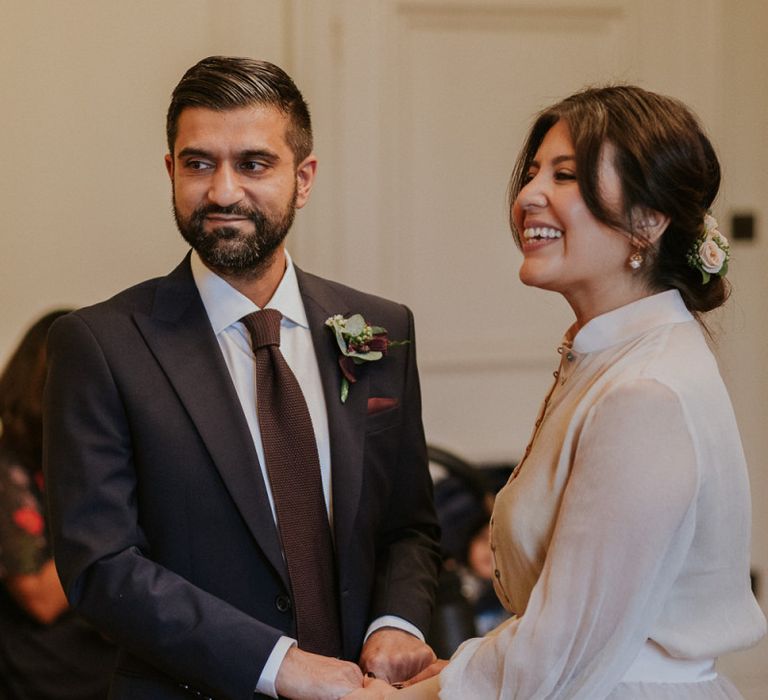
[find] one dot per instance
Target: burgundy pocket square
(377, 404)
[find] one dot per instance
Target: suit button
(283, 603)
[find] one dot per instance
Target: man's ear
(169, 165)
(305, 178)
(648, 224)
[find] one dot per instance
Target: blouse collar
(630, 321)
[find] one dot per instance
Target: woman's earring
(636, 260)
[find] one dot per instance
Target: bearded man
(241, 512)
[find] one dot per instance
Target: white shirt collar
(631, 321)
(225, 305)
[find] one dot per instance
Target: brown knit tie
(293, 466)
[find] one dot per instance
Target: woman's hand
(373, 689)
(39, 594)
(431, 670)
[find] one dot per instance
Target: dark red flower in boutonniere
(358, 343)
(29, 520)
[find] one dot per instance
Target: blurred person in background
(45, 650)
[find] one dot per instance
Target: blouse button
(497, 573)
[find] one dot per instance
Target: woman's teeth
(542, 232)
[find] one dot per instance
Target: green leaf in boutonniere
(358, 342)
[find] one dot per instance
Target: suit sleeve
(100, 549)
(408, 555)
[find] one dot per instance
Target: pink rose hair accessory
(710, 252)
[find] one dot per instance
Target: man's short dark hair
(223, 83)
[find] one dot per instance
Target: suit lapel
(346, 421)
(179, 335)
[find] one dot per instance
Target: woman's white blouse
(628, 519)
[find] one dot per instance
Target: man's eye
(196, 165)
(253, 166)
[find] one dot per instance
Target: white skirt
(654, 675)
(717, 689)
(720, 688)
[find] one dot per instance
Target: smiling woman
(566, 248)
(621, 541)
(633, 162)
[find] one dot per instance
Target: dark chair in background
(466, 605)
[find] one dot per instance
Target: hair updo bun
(664, 162)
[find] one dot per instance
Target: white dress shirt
(225, 306)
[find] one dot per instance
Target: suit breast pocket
(382, 419)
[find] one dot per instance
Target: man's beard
(227, 249)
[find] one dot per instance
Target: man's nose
(225, 187)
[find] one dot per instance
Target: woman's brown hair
(21, 394)
(665, 163)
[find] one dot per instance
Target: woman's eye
(565, 175)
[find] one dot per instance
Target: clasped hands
(389, 656)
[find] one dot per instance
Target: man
(171, 466)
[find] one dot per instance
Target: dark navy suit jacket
(163, 535)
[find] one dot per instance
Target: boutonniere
(358, 343)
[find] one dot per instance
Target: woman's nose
(532, 195)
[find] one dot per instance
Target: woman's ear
(648, 224)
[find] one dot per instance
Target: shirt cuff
(397, 623)
(268, 677)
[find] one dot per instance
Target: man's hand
(304, 675)
(393, 655)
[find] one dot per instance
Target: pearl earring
(636, 260)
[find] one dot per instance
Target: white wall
(84, 85)
(742, 140)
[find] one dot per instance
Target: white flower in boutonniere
(710, 252)
(358, 342)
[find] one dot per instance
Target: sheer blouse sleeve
(623, 528)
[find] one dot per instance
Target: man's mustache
(231, 210)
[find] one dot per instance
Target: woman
(45, 652)
(621, 541)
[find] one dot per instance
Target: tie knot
(264, 327)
